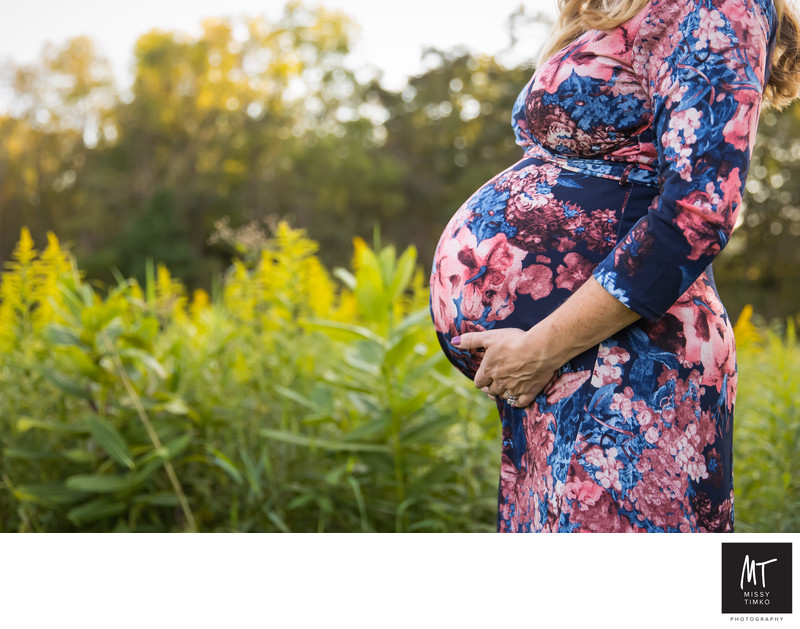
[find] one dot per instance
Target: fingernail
(456, 340)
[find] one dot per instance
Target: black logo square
(757, 578)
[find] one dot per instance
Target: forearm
(588, 317)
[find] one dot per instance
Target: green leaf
(178, 445)
(403, 272)
(323, 444)
(149, 464)
(300, 501)
(77, 455)
(222, 461)
(386, 263)
(341, 383)
(435, 525)
(146, 358)
(338, 326)
(87, 294)
(48, 494)
(408, 406)
(65, 384)
(25, 424)
(252, 473)
(31, 455)
(114, 329)
(370, 294)
(278, 521)
(58, 334)
(176, 406)
(294, 395)
(362, 508)
(364, 362)
(403, 348)
(80, 361)
(96, 483)
(324, 503)
(318, 418)
(142, 333)
(72, 300)
(427, 366)
(160, 499)
(424, 431)
(412, 322)
(367, 258)
(94, 510)
(378, 424)
(265, 463)
(110, 440)
(364, 403)
(155, 459)
(347, 278)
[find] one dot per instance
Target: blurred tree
(225, 123)
(761, 265)
(252, 119)
(58, 107)
(156, 229)
(451, 130)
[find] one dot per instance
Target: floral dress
(637, 146)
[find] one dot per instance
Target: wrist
(546, 342)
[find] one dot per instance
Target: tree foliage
(254, 120)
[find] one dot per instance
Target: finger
(484, 383)
(489, 395)
(497, 389)
(492, 392)
(481, 380)
(524, 401)
(470, 340)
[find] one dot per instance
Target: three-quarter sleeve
(704, 64)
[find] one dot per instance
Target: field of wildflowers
(293, 399)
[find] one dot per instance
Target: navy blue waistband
(624, 172)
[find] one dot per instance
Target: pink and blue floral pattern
(637, 146)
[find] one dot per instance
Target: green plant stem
(23, 512)
(397, 447)
(176, 485)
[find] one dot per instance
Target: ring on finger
(511, 398)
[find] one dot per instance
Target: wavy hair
(578, 16)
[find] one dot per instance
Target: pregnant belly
(520, 245)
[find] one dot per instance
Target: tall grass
(767, 428)
(293, 399)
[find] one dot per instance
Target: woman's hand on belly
(523, 362)
(510, 363)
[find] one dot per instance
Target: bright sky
(392, 36)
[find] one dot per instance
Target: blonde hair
(578, 16)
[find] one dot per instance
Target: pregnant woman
(576, 286)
